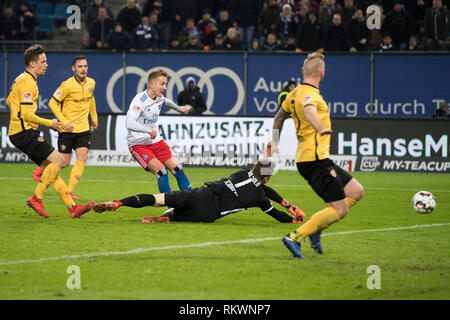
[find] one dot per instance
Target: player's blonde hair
(313, 64)
(156, 74)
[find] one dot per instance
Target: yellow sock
(61, 189)
(317, 222)
(350, 202)
(49, 175)
(75, 174)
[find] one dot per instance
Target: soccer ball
(424, 202)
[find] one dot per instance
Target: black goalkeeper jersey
(239, 191)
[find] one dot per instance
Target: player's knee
(357, 192)
(161, 173)
(60, 162)
(342, 212)
(82, 157)
(178, 168)
(360, 193)
(341, 209)
(65, 164)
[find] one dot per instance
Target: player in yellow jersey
(22, 101)
(72, 103)
(335, 186)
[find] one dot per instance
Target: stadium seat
(43, 9)
(32, 4)
(46, 24)
(60, 12)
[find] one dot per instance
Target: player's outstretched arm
(299, 215)
(133, 115)
(55, 106)
(294, 210)
(93, 114)
(278, 123)
(29, 116)
(172, 105)
(272, 194)
(279, 215)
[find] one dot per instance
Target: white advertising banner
(212, 141)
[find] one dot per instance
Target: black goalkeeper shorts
(196, 205)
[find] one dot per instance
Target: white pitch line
(194, 182)
(203, 244)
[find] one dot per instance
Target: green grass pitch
(237, 257)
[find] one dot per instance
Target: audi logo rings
(205, 80)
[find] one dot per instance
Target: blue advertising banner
(60, 69)
(405, 86)
(219, 77)
(346, 87)
(410, 86)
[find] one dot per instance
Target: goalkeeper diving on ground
(241, 190)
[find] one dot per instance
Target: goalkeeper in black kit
(242, 190)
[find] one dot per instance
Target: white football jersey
(142, 117)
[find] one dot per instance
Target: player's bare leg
(154, 165)
(354, 190)
(67, 157)
(171, 163)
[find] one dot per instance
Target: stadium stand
(52, 13)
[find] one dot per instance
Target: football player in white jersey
(145, 144)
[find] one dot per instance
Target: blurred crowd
(251, 25)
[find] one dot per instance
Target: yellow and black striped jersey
(311, 146)
(22, 101)
(73, 101)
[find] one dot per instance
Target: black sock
(139, 201)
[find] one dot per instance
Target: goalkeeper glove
(299, 215)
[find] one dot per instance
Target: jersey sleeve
(279, 215)
(272, 194)
(61, 93)
(27, 95)
(133, 114)
(269, 209)
(55, 103)
(171, 105)
(309, 99)
(265, 205)
(303, 100)
(285, 106)
(93, 107)
(28, 115)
